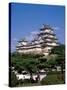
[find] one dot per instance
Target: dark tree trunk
(62, 72)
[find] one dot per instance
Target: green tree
(60, 50)
(60, 59)
(51, 62)
(26, 62)
(30, 65)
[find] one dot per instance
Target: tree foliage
(60, 59)
(60, 50)
(14, 80)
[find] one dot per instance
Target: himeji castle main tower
(45, 41)
(48, 38)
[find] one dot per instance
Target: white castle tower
(48, 39)
(43, 44)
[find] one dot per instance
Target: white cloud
(14, 39)
(32, 35)
(29, 38)
(56, 28)
(34, 32)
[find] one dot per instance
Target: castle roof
(46, 33)
(46, 26)
(23, 40)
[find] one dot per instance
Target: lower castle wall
(35, 51)
(44, 51)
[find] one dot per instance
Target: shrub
(14, 80)
(26, 81)
(20, 81)
(51, 79)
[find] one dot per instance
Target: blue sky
(27, 19)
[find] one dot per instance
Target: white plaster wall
(47, 30)
(22, 51)
(45, 54)
(37, 50)
(38, 45)
(35, 41)
(45, 50)
(48, 39)
(53, 44)
(24, 43)
(51, 36)
(45, 35)
(48, 48)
